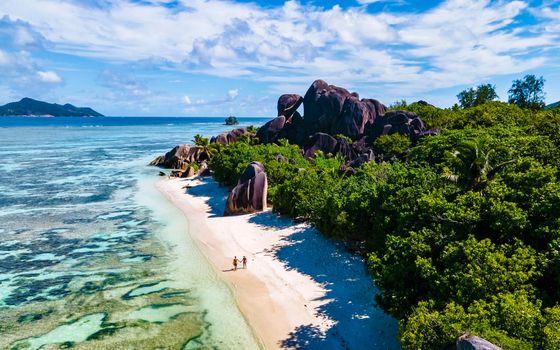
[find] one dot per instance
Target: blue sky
(218, 57)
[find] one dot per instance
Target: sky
(225, 57)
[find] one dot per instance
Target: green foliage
(478, 255)
(527, 92)
(397, 105)
(473, 166)
(393, 144)
(252, 129)
(474, 97)
(433, 117)
(208, 150)
(344, 137)
(232, 159)
(194, 165)
(200, 141)
(551, 329)
(508, 320)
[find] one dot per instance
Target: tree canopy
(461, 230)
(474, 97)
(528, 92)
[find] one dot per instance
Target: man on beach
(244, 260)
(235, 262)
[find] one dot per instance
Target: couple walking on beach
(236, 262)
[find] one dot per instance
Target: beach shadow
(350, 291)
(216, 195)
(270, 221)
(349, 298)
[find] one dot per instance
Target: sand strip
(299, 290)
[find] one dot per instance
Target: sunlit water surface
(91, 255)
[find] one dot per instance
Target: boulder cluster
(186, 160)
(250, 193)
(335, 121)
(332, 115)
(229, 136)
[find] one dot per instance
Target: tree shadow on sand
(216, 196)
(349, 297)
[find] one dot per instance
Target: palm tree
(206, 148)
(473, 166)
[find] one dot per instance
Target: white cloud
(233, 93)
(201, 103)
(49, 77)
(4, 58)
(457, 42)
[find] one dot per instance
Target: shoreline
(290, 296)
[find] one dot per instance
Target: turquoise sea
(91, 255)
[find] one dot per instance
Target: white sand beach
(299, 290)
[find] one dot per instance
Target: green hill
(28, 106)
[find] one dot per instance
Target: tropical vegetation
(461, 230)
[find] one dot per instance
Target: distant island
(553, 105)
(30, 107)
(231, 120)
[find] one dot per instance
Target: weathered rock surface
(322, 106)
(320, 142)
(328, 109)
(270, 132)
(203, 169)
(229, 136)
(178, 157)
(189, 172)
(250, 193)
(402, 122)
(288, 104)
(471, 342)
(344, 148)
(352, 121)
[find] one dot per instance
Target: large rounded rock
(288, 104)
(402, 122)
(269, 132)
(322, 105)
(375, 108)
(178, 157)
(203, 169)
(294, 130)
(344, 148)
(229, 136)
(355, 115)
(250, 193)
(320, 142)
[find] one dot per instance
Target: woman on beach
(235, 262)
(244, 260)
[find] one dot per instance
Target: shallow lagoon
(91, 255)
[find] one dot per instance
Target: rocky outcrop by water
(250, 193)
(335, 121)
(179, 157)
(330, 111)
